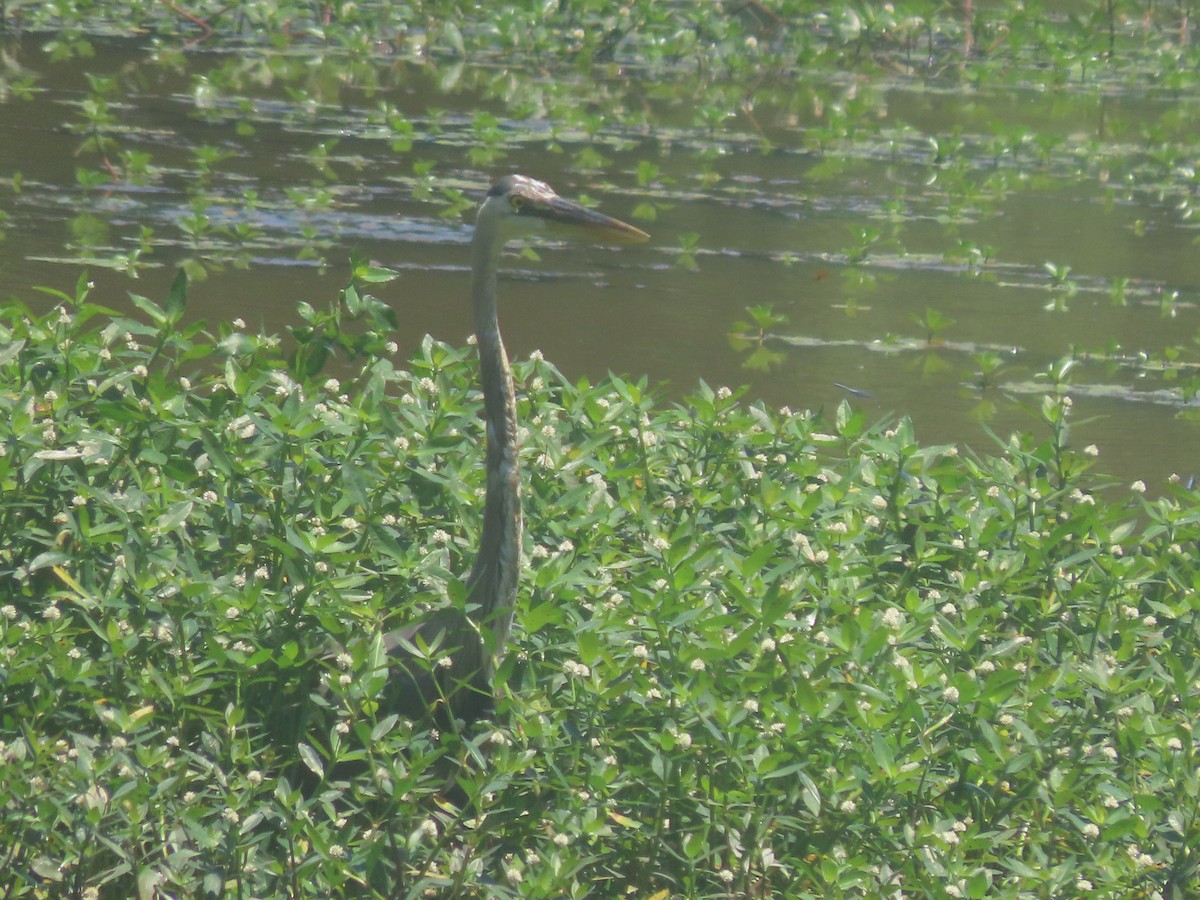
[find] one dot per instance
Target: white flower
(847, 806)
(1091, 450)
(1091, 831)
(1138, 487)
(641, 651)
(697, 665)
(950, 694)
(577, 669)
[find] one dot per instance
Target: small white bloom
(577, 669)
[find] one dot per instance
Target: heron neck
(492, 583)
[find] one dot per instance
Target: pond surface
(914, 233)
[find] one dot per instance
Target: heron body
(471, 638)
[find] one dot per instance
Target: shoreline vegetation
(756, 652)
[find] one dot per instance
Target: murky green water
(850, 206)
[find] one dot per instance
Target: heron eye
(517, 202)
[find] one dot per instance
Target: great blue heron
(467, 640)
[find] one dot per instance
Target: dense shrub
(757, 654)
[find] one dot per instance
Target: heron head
(521, 204)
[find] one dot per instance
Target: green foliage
(756, 654)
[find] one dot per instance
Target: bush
(756, 654)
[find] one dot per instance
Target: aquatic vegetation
(759, 652)
(763, 652)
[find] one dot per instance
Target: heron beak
(558, 211)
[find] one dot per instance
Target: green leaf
(310, 758)
(177, 298)
(150, 308)
(175, 515)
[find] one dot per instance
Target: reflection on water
(851, 226)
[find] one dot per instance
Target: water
(849, 206)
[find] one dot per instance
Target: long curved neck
(492, 584)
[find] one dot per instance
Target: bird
(468, 640)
